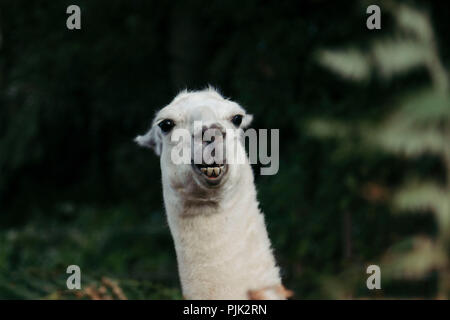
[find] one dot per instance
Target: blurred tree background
(75, 189)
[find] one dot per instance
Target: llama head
(198, 137)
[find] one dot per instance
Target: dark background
(75, 189)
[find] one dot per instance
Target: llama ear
(246, 120)
(152, 139)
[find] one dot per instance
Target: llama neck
(225, 253)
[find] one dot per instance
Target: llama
(221, 242)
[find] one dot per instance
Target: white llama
(223, 250)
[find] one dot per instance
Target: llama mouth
(213, 173)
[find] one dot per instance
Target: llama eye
(166, 125)
(237, 120)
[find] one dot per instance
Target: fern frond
(400, 137)
(424, 257)
(393, 57)
(427, 107)
(422, 196)
(323, 128)
(414, 21)
(350, 64)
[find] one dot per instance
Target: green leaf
(414, 21)
(426, 107)
(424, 196)
(425, 257)
(398, 56)
(350, 64)
(323, 128)
(400, 137)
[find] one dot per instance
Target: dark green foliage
(419, 124)
(75, 189)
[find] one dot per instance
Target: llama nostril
(210, 140)
(210, 133)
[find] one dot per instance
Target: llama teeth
(203, 170)
(216, 171)
(209, 171)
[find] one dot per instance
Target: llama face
(199, 139)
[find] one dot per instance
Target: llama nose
(216, 131)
